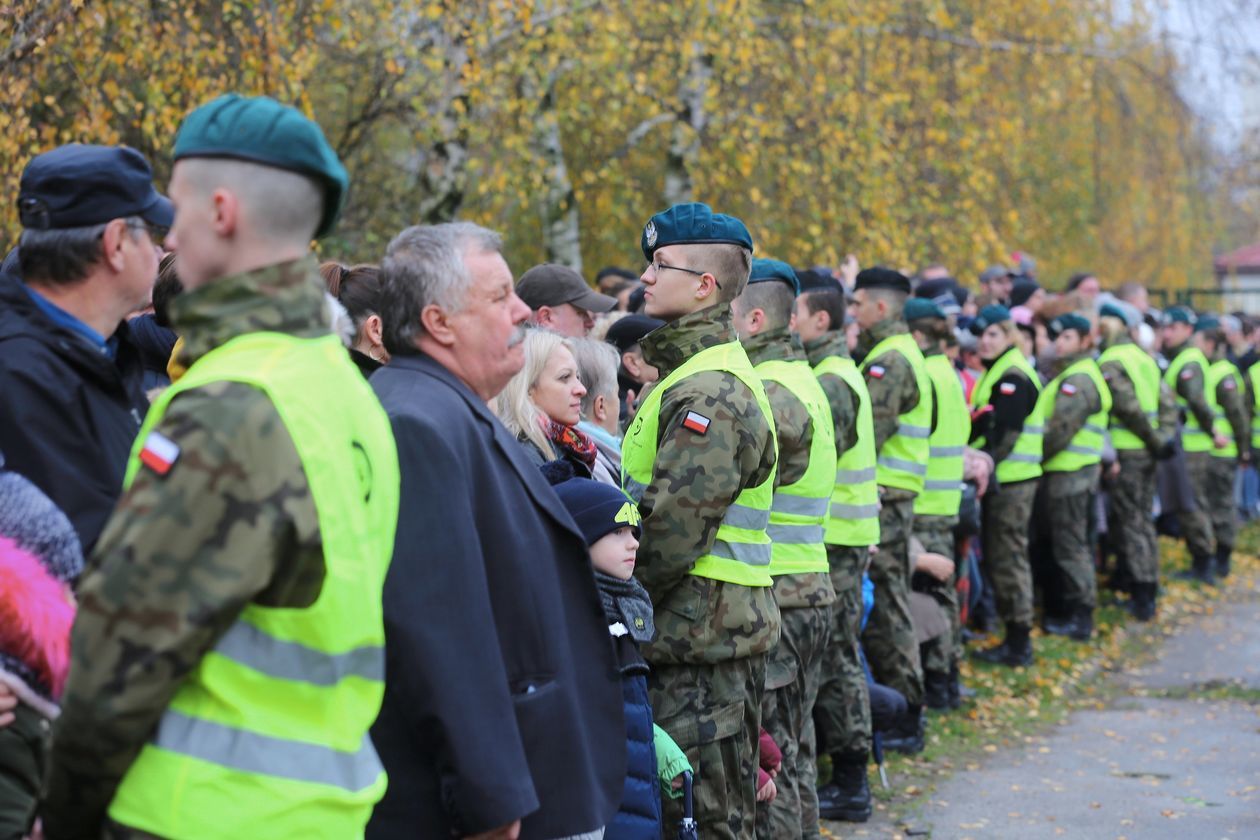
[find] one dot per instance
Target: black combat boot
(957, 691)
(1059, 625)
(1143, 603)
(1082, 624)
(906, 736)
(1223, 554)
(1015, 650)
(847, 796)
(936, 690)
(1200, 570)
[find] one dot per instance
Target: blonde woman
(542, 404)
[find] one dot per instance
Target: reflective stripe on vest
(798, 511)
(1143, 372)
(1024, 462)
(1253, 374)
(1193, 437)
(1217, 373)
(1086, 447)
(942, 489)
(271, 726)
(853, 518)
(741, 548)
(902, 462)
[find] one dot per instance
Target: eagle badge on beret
(649, 233)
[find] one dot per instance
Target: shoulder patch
(1187, 373)
(1229, 383)
(1068, 388)
(1006, 388)
(696, 422)
(159, 453)
(876, 371)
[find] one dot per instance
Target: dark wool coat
(502, 697)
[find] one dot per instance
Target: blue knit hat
(597, 508)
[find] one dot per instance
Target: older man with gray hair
(502, 715)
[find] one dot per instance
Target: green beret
(693, 224)
(1207, 322)
(765, 270)
(1110, 310)
(260, 130)
(994, 313)
(917, 308)
(1179, 315)
(882, 278)
(1068, 321)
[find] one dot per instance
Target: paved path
(1159, 763)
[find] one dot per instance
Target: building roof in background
(1245, 259)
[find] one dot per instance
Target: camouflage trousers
(1004, 530)
(891, 647)
(842, 713)
(1221, 504)
(793, 670)
(1132, 497)
(1073, 556)
(713, 712)
(1196, 525)
(936, 533)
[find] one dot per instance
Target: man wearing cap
(1186, 375)
(69, 372)
(228, 654)
(1133, 378)
(997, 281)
(901, 415)
(1226, 394)
(700, 460)
(633, 373)
(798, 559)
(936, 508)
(1075, 405)
(842, 712)
(560, 300)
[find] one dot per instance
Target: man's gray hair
(425, 265)
(597, 363)
(64, 256)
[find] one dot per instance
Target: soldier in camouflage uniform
(892, 380)
(842, 712)
(713, 442)
(793, 669)
(1229, 398)
(221, 518)
(1132, 490)
(1188, 380)
(1074, 401)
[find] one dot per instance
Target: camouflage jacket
(1233, 403)
(1124, 401)
(232, 522)
(695, 478)
(1191, 388)
(1076, 400)
(844, 403)
(892, 394)
(794, 427)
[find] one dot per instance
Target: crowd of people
(419, 548)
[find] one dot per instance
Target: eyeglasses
(657, 267)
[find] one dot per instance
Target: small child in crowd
(609, 521)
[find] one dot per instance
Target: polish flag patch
(697, 423)
(1068, 388)
(876, 371)
(159, 453)
(1229, 384)
(1187, 373)
(1006, 388)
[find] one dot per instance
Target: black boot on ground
(936, 690)
(1143, 603)
(957, 691)
(1200, 570)
(1082, 624)
(906, 736)
(1223, 555)
(847, 796)
(1015, 650)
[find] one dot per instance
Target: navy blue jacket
(640, 815)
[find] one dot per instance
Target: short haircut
(424, 265)
(166, 289)
(597, 362)
(896, 300)
(280, 205)
(64, 256)
(829, 301)
(773, 298)
(1129, 290)
(730, 265)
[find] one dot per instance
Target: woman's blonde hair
(513, 404)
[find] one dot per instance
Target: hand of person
(1113, 469)
(37, 831)
(8, 702)
(768, 792)
(511, 831)
(937, 565)
(1219, 441)
(849, 270)
(632, 397)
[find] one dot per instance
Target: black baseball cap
(550, 284)
(630, 330)
(80, 185)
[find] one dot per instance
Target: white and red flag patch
(1068, 388)
(1006, 388)
(877, 371)
(159, 453)
(698, 423)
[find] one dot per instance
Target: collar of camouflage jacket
(880, 330)
(1062, 363)
(676, 342)
(833, 343)
(286, 298)
(773, 345)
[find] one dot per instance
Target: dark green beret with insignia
(1069, 321)
(693, 224)
(917, 308)
(1207, 322)
(260, 130)
(1179, 315)
(766, 270)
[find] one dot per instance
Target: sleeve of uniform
(1076, 401)
(1013, 399)
(1168, 413)
(1230, 398)
(792, 426)
(844, 411)
(178, 561)
(890, 383)
(697, 476)
(443, 658)
(1126, 408)
(1191, 388)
